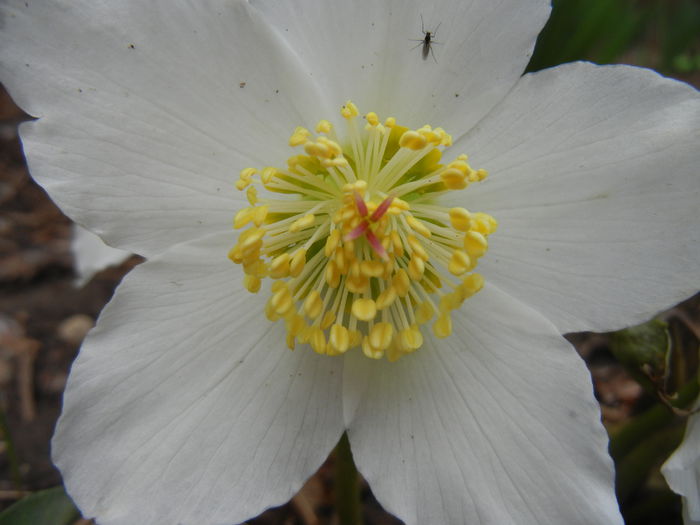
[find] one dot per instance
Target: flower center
(360, 251)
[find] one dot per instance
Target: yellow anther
(252, 283)
(279, 267)
(255, 266)
(364, 309)
(443, 326)
(396, 244)
(416, 267)
(470, 285)
(290, 341)
(372, 118)
(416, 247)
(413, 141)
(296, 265)
(369, 351)
(295, 324)
(304, 222)
(450, 301)
(380, 336)
(313, 304)
(424, 312)
(252, 195)
(300, 136)
(282, 301)
(250, 250)
(332, 146)
(354, 270)
(327, 320)
(260, 214)
(337, 162)
(390, 122)
(461, 165)
(235, 255)
(475, 244)
(317, 149)
(429, 135)
(332, 274)
(357, 284)
(418, 226)
(341, 261)
(398, 205)
(305, 335)
(349, 110)
(242, 218)
(371, 268)
(277, 286)
(460, 219)
(454, 179)
(339, 338)
(332, 243)
(318, 340)
(446, 140)
(389, 267)
(242, 184)
(255, 236)
(401, 283)
(459, 262)
(246, 174)
(386, 298)
(324, 126)
(481, 174)
(270, 312)
(411, 338)
(484, 223)
(267, 174)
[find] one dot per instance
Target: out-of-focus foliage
(46, 507)
(661, 34)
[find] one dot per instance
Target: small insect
(427, 41)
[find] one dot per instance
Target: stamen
(351, 232)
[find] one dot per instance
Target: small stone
(74, 329)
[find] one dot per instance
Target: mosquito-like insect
(427, 41)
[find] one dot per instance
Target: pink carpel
(376, 245)
(357, 231)
(381, 209)
(360, 204)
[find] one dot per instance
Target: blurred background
(644, 378)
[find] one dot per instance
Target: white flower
(682, 470)
(184, 405)
(92, 255)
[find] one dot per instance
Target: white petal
(682, 470)
(495, 424)
(365, 51)
(92, 255)
(142, 144)
(594, 180)
(184, 405)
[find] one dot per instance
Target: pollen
(351, 234)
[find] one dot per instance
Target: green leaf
(643, 346)
(48, 507)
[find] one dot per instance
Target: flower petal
(184, 405)
(364, 51)
(91, 255)
(147, 110)
(594, 181)
(495, 424)
(682, 469)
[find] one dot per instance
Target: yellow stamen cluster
(360, 251)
